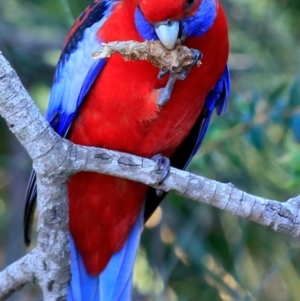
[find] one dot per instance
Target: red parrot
(133, 107)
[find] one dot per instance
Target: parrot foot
(182, 75)
(163, 164)
(165, 93)
(163, 167)
(162, 73)
(159, 192)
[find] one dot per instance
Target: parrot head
(169, 20)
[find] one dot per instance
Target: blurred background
(189, 251)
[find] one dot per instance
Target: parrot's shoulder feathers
(92, 14)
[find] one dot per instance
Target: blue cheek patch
(145, 29)
(202, 21)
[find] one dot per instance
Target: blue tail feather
(115, 282)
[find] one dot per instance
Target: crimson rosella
(122, 105)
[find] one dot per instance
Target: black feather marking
(29, 207)
(81, 16)
(96, 13)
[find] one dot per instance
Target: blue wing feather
(216, 99)
(75, 74)
(61, 113)
(225, 92)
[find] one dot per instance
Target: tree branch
(15, 276)
(55, 159)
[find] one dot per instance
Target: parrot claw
(163, 168)
(159, 192)
(162, 73)
(197, 57)
(165, 93)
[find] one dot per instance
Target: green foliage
(196, 252)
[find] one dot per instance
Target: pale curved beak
(167, 33)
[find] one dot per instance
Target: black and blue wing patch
(217, 99)
(92, 14)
